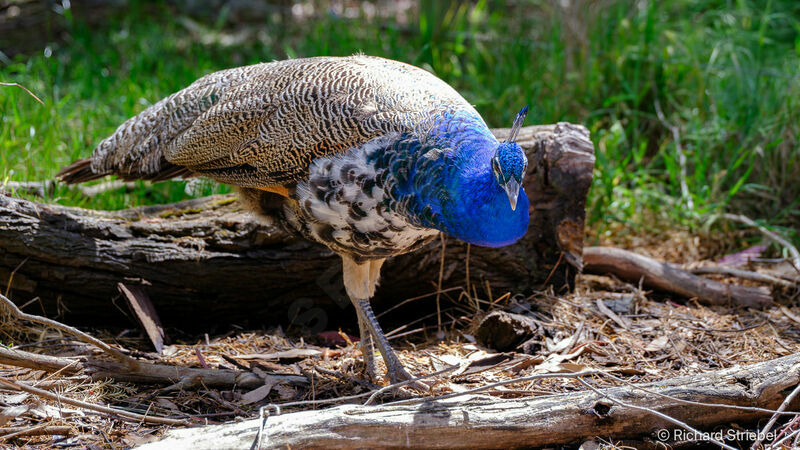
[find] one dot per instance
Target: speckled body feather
(262, 125)
(370, 151)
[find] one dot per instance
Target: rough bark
(207, 261)
(663, 276)
(480, 422)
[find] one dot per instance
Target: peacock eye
(498, 173)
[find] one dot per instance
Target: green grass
(723, 74)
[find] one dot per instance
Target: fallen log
(624, 412)
(633, 267)
(207, 261)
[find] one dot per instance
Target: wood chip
(141, 306)
(295, 353)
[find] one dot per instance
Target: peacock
(370, 157)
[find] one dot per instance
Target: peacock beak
(512, 190)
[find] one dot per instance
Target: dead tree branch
(480, 422)
(633, 267)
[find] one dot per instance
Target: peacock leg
(395, 369)
(360, 281)
(367, 349)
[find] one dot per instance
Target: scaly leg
(360, 281)
(394, 368)
(367, 349)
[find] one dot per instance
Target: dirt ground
(607, 324)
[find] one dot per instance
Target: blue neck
(444, 180)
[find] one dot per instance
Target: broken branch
(633, 267)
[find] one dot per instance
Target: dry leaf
(553, 363)
(44, 411)
(657, 344)
(256, 394)
(526, 362)
(743, 257)
(624, 323)
(7, 414)
(167, 404)
(626, 370)
(452, 360)
(441, 362)
(285, 392)
(14, 399)
(788, 313)
(260, 393)
(488, 362)
(606, 360)
(573, 367)
(557, 346)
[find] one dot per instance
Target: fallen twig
(770, 234)
(789, 430)
(743, 274)
(666, 417)
(21, 358)
(126, 368)
(15, 312)
(37, 430)
(43, 188)
(120, 413)
(768, 426)
(494, 385)
(411, 382)
(141, 372)
(786, 312)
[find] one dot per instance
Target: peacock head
(509, 162)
